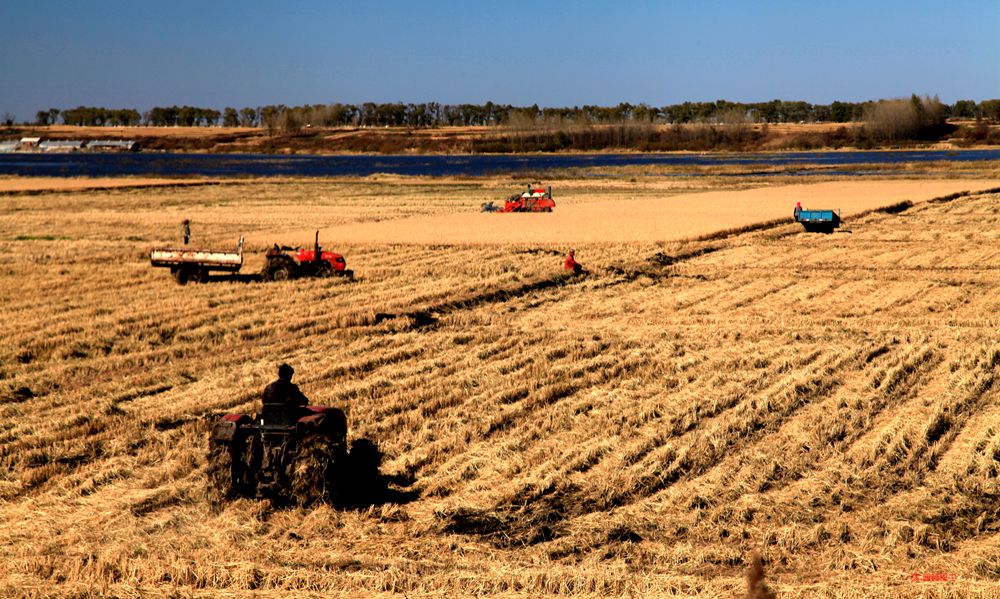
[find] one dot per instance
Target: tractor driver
(283, 391)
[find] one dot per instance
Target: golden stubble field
(828, 401)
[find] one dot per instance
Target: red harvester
(535, 199)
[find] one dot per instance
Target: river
(263, 165)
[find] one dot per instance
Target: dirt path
(42, 184)
(669, 218)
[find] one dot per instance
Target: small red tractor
(535, 199)
(292, 455)
(281, 266)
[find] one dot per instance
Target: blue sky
(139, 54)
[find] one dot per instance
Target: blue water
(262, 165)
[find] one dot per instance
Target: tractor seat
(279, 414)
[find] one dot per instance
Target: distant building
(113, 145)
(28, 144)
(60, 146)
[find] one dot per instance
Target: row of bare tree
(892, 117)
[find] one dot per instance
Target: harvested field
(828, 401)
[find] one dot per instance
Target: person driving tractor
(283, 391)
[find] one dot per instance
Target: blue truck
(817, 221)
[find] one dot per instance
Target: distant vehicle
(535, 199)
(817, 221)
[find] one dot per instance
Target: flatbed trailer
(188, 264)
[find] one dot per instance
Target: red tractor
(290, 454)
(281, 266)
(535, 199)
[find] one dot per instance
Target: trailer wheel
(182, 275)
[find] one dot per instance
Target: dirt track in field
(623, 219)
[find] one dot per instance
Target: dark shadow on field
(364, 484)
(527, 518)
(258, 278)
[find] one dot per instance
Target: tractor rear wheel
(225, 471)
(310, 469)
(281, 273)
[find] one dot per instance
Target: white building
(60, 146)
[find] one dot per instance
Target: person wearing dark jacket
(283, 391)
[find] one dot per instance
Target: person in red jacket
(572, 264)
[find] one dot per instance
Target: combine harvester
(197, 265)
(817, 221)
(535, 199)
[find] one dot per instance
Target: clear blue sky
(140, 54)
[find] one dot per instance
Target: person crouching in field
(572, 264)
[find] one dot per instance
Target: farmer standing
(186, 230)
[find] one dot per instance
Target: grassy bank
(553, 137)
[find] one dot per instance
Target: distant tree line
(433, 114)
(90, 116)
(181, 116)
